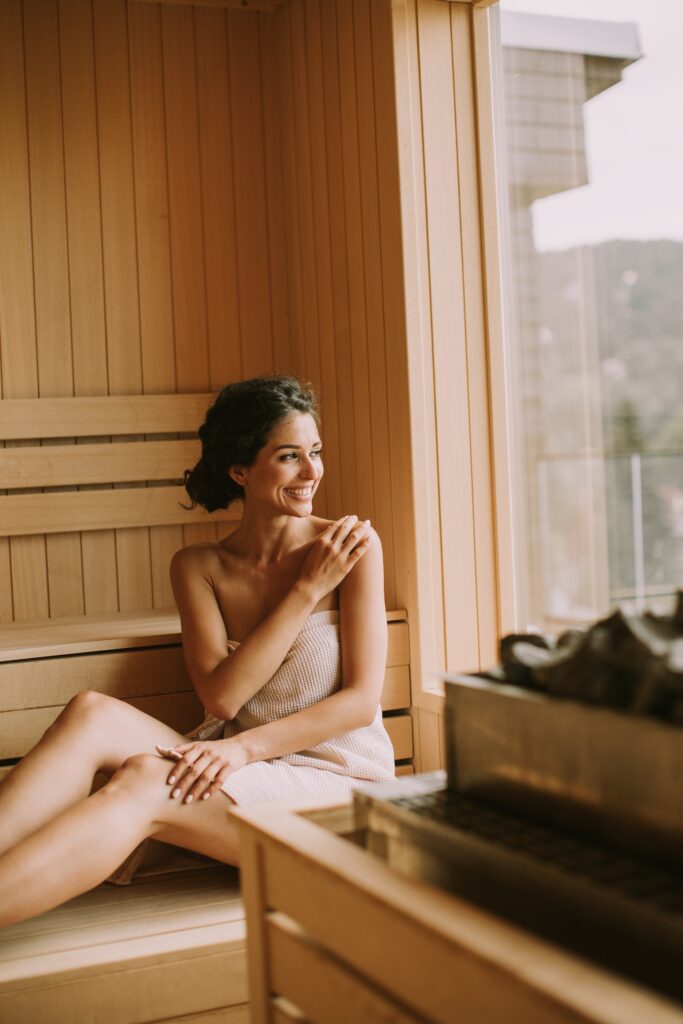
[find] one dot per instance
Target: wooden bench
(170, 945)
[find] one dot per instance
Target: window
(594, 336)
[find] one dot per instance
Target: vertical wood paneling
(246, 109)
(477, 368)
(153, 245)
(119, 246)
(355, 262)
(393, 290)
(218, 206)
(372, 252)
(50, 261)
(320, 205)
(449, 333)
(270, 28)
(339, 255)
(86, 279)
(27, 569)
(185, 208)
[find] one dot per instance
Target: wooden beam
(64, 465)
(27, 418)
(24, 515)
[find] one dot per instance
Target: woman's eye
(317, 453)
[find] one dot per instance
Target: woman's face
(287, 470)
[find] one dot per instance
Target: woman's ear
(236, 473)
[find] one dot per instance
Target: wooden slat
(218, 206)
(396, 690)
(86, 276)
(60, 465)
(98, 416)
(399, 645)
(26, 514)
(80, 635)
(405, 769)
(24, 579)
(319, 984)
(48, 682)
(246, 115)
(21, 730)
(400, 729)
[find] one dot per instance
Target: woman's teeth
(303, 492)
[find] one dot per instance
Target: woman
(265, 614)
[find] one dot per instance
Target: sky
(634, 140)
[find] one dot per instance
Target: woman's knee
(141, 772)
(86, 709)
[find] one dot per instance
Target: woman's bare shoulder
(204, 558)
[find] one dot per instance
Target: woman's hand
(334, 553)
(201, 767)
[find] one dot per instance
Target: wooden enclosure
(194, 193)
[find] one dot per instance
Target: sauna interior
(196, 193)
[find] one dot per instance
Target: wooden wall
(439, 127)
(343, 230)
(188, 196)
(141, 243)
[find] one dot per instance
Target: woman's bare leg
(80, 848)
(93, 733)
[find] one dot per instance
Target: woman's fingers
(188, 770)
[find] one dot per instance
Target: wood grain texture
(92, 416)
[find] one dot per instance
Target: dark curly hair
(235, 430)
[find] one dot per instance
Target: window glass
(593, 179)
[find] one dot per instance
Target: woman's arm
(224, 684)
(364, 649)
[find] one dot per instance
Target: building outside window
(593, 173)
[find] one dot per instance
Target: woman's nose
(307, 469)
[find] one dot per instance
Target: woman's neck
(265, 539)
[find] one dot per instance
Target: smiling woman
(284, 637)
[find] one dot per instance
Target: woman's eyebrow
(297, 446)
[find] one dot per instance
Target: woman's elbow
(220, 708)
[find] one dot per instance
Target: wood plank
(184, 199)
(86, 272)
(26, 514)
(396, 689)
(56, 637)
(400, 730)
(93, 416)
(49, 682)
(339, 256)
(119, 244)
(375, 303)
(218, 207)
(152, 225)
(50, 261)
(270, 39)
(352, 201)
(407, 571)
(251, 225)
(21, 730)
(321, 985)
(60, 465)
(28, 568)
(476, 341)
(320, 201)
(83, 634)
(398, 652)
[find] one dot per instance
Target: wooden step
(161, 949)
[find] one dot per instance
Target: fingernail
(189, 799)
(175, 793)
(206, 796)
(169, 782)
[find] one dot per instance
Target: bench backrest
(114, 447)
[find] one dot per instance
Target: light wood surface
(312, 896)
(162, 949)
